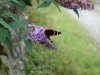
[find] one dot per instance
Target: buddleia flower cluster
(76, 4)
(36, 33)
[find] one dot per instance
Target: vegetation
(77, 54)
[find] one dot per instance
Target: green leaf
(16, 2)
(17, 19)
(27, 2)
(15, 25)
(3, 34)
(28, 45)
(44, 4)
(7, 26)
(76, 11)
(8, 42)
(20, 6)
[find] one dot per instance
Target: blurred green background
(77, 54)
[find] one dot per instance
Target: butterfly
(50, 32)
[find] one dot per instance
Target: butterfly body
(50, 32)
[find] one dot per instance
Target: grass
(77, 54)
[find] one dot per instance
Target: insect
(50, 32)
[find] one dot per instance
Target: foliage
(10, 21)
(69, 4)
(28, 44)
(37, 61)
(77, 54)
(11, 10)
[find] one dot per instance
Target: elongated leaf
(27, 2)
(8, 42)
(17, 2)
(20, 6)
(16, 18)
(3, 34)
(15, 25)
(76, 11)
(7, 26)
(44, 4)
(1, 26)
(57, 6)
(28, 45)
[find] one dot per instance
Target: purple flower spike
(76, 4)
(36, 33)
